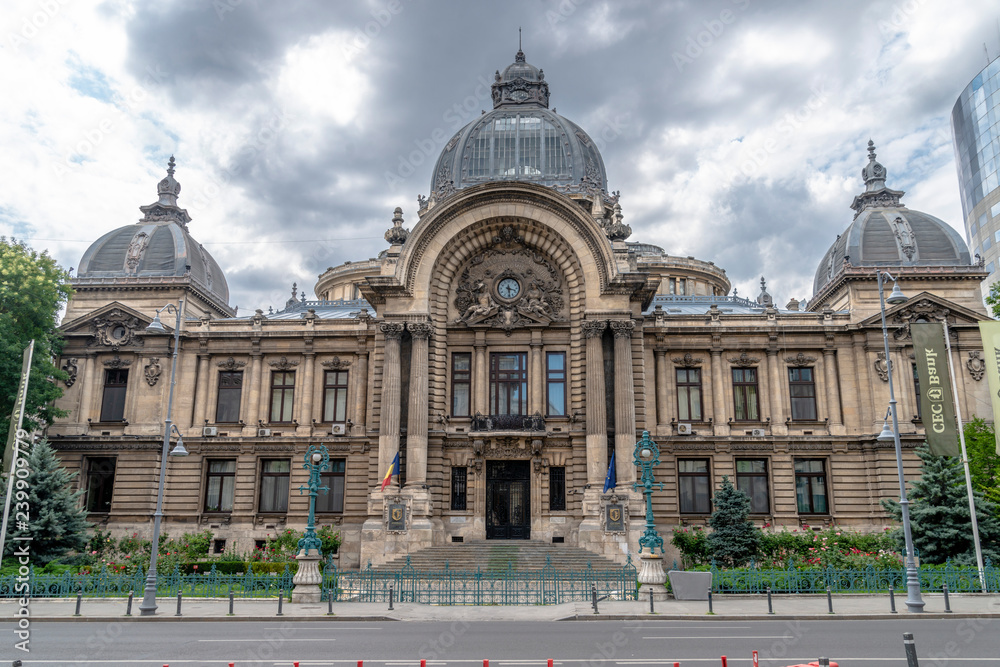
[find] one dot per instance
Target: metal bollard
(651, 602)
(892, 601)
(911, 650)
(281, 599)
(593, 597)
(16, 663)
(128, 607)
(824, 662)
(230, 601)
(710, 603)
(947, 602)
(79, 599)
(770, 608)
(829, 601)
(178, 604)
(391, 595)
(329, 602)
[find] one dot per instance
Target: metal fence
(960, 579)
(446, 587)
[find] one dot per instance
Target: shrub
(734, 540)
(330, 540)
(693, 545)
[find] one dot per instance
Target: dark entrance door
(508, 506)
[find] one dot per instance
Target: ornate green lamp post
(651, 574)
(308, 578)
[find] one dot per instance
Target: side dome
(885, 233)
(158, 246)
(520, 140)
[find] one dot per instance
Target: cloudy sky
(735, 129)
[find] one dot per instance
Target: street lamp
(148, 605)
(308, 578)
(647, 456)
(914, 603)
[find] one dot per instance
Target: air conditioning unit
(264, 432)
(684, 429)
(338, 429)
(758, 433)
(210, 431)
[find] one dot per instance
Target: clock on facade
(508, 288)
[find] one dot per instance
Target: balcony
(487, 423)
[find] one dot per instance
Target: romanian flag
(393, 470)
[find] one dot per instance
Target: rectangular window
(695, 495)
(459, 484)
(227, 407)
(802, 390)
(335, 396)
(508, 383)
(113, 403)
(282, 395)
(916, 389)
(682, 286)
(555, 378)
(274, 485)
(332, 500)
(219, 486)
(671, 285)
(461, 383)
(987, 243)
(810, 486)
(745, 394)
(557, 488)
(995, 211)
(689, 394)
(100, 483)
(751, 479)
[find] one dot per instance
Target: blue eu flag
(609, 481)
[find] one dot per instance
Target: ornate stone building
(507, 347)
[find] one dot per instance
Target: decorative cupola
(764, 298)
(165, 208)
(397, 234)
(875, 194)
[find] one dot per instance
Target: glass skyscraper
(975, 124)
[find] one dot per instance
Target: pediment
(923, 307)
(112, 326)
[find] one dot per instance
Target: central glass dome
(520, 140)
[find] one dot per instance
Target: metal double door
(508, 500)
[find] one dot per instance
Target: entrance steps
(520, 555)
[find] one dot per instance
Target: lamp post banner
(990, 331)
(937, 406)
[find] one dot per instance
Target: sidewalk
(799, 607)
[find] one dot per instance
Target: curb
(777, 617)
(199, 619)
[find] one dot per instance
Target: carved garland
(800, 360)
(116, 329)
(231, 364)
(336, 363)
(283, 364)
(688, 361)
(744, 360)
(117, 362)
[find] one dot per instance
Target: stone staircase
(521, 555)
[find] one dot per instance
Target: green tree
(939, 514)
(56, 523)
(993, 299)
(33, 288)
(734, 539)
(984, 462)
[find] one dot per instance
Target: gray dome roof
(159, 245)
(885, 233)
(520, 140)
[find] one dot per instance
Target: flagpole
(965, 462)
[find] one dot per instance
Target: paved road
(461, 644)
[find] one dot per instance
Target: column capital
(594, 328)
(622, 328)
(419, 330)
(392, 330)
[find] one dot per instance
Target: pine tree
(734, 539)
(56, 523)
(939, 514)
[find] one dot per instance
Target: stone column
(720, 414)
(253, 389)
(201, 399)
(832, 388)
(361, 388)
(264, 393)
(661, 388)
(624, 402)
(88, 377)
(388, 439)
(308, 389)
(775, 395)
(536, 374)
(597, 418)
(480, 394)
(416, 422)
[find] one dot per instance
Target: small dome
(885, 233)
(520, 140)
(159, 245)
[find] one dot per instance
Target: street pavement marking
(785, 636)
(283, 639)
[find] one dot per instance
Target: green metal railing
(446, 587)
(960, 579)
